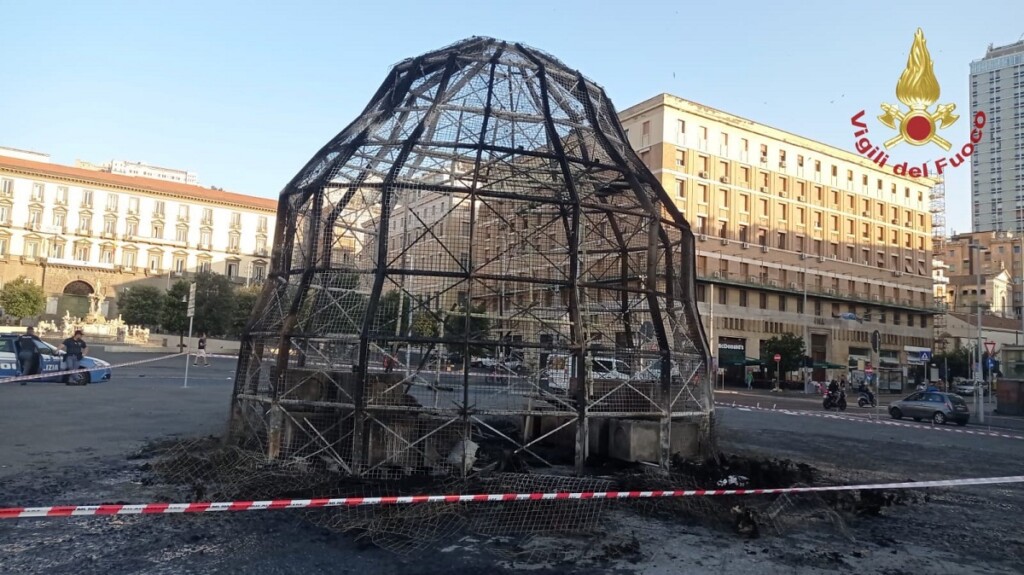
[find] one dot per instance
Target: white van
(561, 371)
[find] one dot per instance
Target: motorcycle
(835, 400)
(867, 399)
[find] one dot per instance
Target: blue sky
(245, 93)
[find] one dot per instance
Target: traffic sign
(926, 356)
(778, 357)
(990, 347)
(191, 300)
(876, 341)
(991, 363)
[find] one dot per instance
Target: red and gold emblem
(918, 89)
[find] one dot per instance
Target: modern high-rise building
(997, 165)
(795, 236)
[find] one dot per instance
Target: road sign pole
(191, 317)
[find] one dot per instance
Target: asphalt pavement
(70, 445)
(810, 401)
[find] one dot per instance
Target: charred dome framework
(479, 252)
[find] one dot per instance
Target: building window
(205, 265)
(6, 188)
(84, 223)
(62, 195)
(37, 192)
(236, 220)
(183, 212)
(762, 300)
(59, 220)
(782, 302)
(154, 261)
(701, 292)
(86, 198)
(181, 234)
(179, 264)
(259, 272)
(207, 216)
(128, 259)
(158, 231)
(204, 239)
(681, 190)
(261, 245)
(111, 202)
(35, 216)
(262, 224)
(32, 249)
(133, 205)
(743, 298)
(645, 157)
(3, 247)
(82, 252)
(57, 250)
(232, 269)
(158, 209)
(107, 255)
(233, 242)
(680, 161)
(723, 296)
(109, 225)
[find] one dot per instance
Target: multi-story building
(142, 170)
(996, 251)
(997, 165)
(74, 231)
(794, 236)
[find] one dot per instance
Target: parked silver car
(937, 406)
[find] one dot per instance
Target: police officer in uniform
(28, 353)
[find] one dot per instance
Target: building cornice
(135, 185)
(675, 102)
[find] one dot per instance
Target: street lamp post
(977, 369)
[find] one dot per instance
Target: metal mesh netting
(480, 243)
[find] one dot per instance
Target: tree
(479, 326)
(958, 361)
(425, 324)
(245, 302)
(215, 304)
(174, 310)
(789, 346)
(142, 305)
(22, 298)
(387, 319)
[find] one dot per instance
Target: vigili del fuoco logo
(919, 124)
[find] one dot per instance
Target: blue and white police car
(51, 360)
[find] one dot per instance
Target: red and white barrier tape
(876, 421)
(49, 374)
(210, 506)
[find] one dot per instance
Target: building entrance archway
(74, 299)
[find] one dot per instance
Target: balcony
(260, 252)
(84, 233)
(79, 263)
(233, 250)
(770, 284)
(108, 235)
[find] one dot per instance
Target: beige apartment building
(77, 232)
(999, 251)
(794, 235)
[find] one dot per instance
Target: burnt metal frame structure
(549, 144)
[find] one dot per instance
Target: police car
(51, 361)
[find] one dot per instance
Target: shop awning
(827, 365)
(740, 362)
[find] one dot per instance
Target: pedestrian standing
(28, 353)
(74, 350)
(750, 379)
(201, 353)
